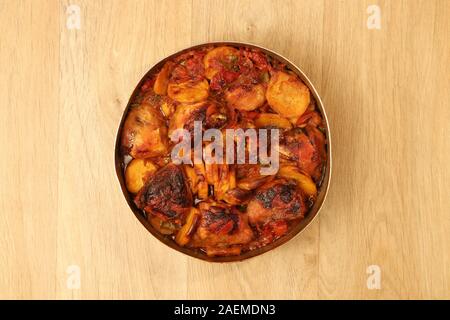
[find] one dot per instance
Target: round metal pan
(322, 191)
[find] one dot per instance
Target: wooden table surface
(387, 94)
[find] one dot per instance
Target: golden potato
(137, 172)
(305, 183)
(272, 120)
(162, 79)
(189, 91)
(218, 57)
(145, 133)
(287, 95)
(246, 99)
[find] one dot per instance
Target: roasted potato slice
(305, 183)
(189, 91)
(219, 58)
(287, 95)
(162, 79)
(246, 98)
(184, 235)
(138, 170)
(145, 133)
(272, 120)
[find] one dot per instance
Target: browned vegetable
(162, 80)
(186, 231)
(222, 177)
(162, 226)
(303, 180)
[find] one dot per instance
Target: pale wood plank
(29, 139)
(387, 94)
(100, 65)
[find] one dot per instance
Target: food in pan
(223, 209)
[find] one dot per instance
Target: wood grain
(387, 93)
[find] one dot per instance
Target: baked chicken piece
(210, 113)
(185, 115)
(166, 194)
(144, 132)
(276, 200)
(307, 148)
(221, 228)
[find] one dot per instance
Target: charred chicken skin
(277, 200)
(221, 227)
(223, 209)
(307, 148)
(166, 194)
